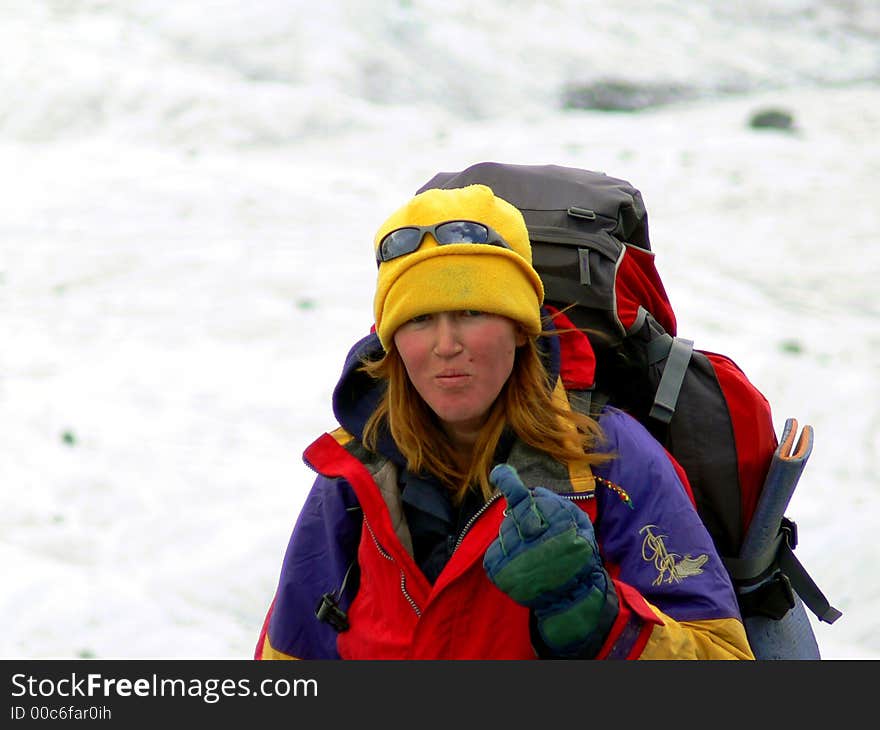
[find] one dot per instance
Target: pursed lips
(451, 378)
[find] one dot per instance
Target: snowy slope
(188, 200)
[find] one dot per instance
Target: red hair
(525, 404)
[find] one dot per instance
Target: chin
(466, 420)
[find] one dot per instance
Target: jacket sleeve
(676, 599)
(321, 551)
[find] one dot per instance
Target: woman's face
(458, 362)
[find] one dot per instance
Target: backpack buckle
(329, 612)
(788, 528)
(772, 597)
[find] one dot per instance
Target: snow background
(188, 193)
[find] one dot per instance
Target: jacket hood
(356, 394)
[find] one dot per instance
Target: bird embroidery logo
(671, 567)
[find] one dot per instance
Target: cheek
(505, 361)
(497, 358)
(413, 351)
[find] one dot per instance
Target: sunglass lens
(400, 242)
(462, 232)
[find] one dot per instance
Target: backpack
(591, 248)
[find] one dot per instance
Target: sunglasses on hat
(402, 241)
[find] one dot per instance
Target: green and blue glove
(546, 558)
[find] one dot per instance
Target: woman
(464, 509)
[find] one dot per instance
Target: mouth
(451, 379)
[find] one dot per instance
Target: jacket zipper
(573, 497)
(494, 498)
(474, 518)
(384, 554)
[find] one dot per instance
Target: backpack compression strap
(766, 583)
(677, 352)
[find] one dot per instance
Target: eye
(420, 318)
(471, 313)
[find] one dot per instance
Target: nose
(446, 336)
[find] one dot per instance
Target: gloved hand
(545, 557)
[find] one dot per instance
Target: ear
(521, 336)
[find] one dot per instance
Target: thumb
(522, 509)
(505, 477)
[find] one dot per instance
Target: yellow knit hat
(458, 276)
